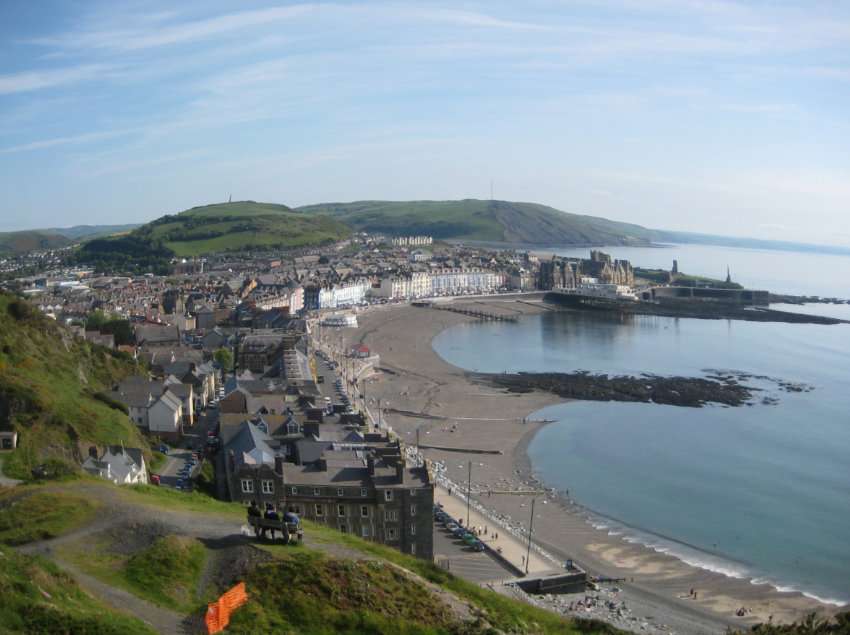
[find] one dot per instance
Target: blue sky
(699, 115)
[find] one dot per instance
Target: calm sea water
(759, 492)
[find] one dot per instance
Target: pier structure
(478, 314)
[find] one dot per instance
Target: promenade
(513, 549)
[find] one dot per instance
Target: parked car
(154, 479)
(478, 546)
(163, 448)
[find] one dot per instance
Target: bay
(761, 492)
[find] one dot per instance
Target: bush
(20, 310)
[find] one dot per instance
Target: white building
(122, 466)
(347, 294)
(412, 241)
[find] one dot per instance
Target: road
(453, 555)
(513, 549)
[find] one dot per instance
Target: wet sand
(415, 379)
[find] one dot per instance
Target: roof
(250, 445)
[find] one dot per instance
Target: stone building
(360, 485)
(567, 273)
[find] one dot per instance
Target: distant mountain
(750, 243)
(484, 221)
(13, 243)
(209, 229)
(78, 232)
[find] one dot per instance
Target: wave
(696, 556)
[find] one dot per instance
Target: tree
(224, 358)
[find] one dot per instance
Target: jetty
(478, 314)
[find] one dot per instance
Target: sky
(697, 115)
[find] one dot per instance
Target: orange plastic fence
(219, 612)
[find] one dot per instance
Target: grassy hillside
(40, 598)
(235, 226)
(480, 220)
(210, 229)
(13, 243)
(49, 385)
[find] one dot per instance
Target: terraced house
(362, 486)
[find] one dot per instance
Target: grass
(165, 497)
(166, 573)
(156, 462)
(40, 598)
(505, 614)
(48, 380)
(41, 515)
(307, 592)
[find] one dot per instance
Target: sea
(759, 492)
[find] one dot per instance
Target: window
(340, 491)
(295, 509)
(388, 495)
(412, 548)
(340, 510)
(364, 531)
(268, 487)
(413, 530)
(294, 491)
(247, 486)
(391, 515)
(343, 528)
(391, 533)
(320, 509)
(413, 510)
(317, 491)
(364, 511)
(363, 492)
(413, 492)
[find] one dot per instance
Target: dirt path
(216, 532)
(160, 619)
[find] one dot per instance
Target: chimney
(93, 451)
(370, 464)
(399, 471)
(278, 465)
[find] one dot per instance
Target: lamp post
(530, 530)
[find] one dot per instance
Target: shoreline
(420, 381)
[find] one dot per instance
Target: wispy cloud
(34, 80)
(68, 140)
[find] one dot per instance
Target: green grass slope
(49, 387)
(484, 220)
(222, 227)
(14, 243)
(39, 598)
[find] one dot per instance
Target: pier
(484, 316)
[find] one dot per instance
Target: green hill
(247, 225)
(488, 221)
(50, 385)
(13, 243)
(209, 229)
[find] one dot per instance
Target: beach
(467, 415)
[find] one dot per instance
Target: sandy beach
(414, 379)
